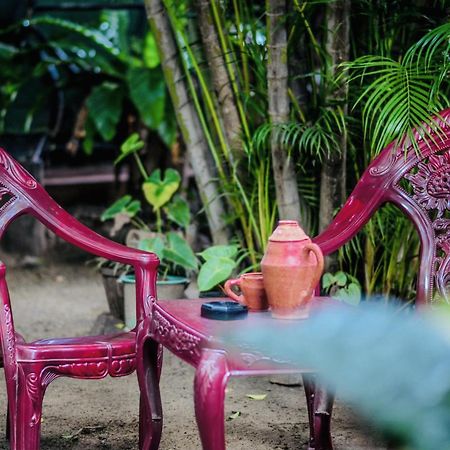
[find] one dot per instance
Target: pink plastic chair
(418, 183)
(30, 367)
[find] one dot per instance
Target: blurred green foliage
(107, 60)
(393, 367)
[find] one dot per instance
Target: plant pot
(171, 288)
(134, 237)
(114, 292)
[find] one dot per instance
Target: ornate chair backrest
(417, 182)
(21, 194)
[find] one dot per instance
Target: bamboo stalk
(188, 121)
(244, 56)
(227, 52)
(220, 77)
(333, 173)
(205, 89)
(288, 199)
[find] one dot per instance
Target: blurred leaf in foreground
(394, 367)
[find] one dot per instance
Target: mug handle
(228, 288)
(314, 248)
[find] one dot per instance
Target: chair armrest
(71, 230)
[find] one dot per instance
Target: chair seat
(93, 356)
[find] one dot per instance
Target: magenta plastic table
(414, 178)
(178, 326)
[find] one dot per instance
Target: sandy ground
(65, 300)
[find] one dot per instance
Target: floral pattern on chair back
(416, 178)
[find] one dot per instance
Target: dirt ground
(65, 300)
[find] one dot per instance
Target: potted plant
(114, 291)
(167, 238)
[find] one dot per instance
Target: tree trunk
(197, 147)
(333, 175)
(220, 77)
(288, 200)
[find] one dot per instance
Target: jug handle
(314, 248)
(228, 288)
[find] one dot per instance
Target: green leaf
(354, 294)
(148, 92)
(395, 350)
(327, 280)
(340, 278)
(155, 245)
(131, 145)
(159, 191)
(167, 129)
(178, 212)
(88, 141)
(214, 271)
(350, 295)
(401, 96)
(151, 55)
(118, 28)
(93, 36)
(133, 208)
(105, 108)
(124, 205)
(217, 251)
(179, 252)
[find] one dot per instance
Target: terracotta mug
(251, 286)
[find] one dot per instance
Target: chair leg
(320, 406)
(210, 381)
(150, 410)
(8, 426)
(12, 390)
(27, 428)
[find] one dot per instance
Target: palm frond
(398, 99)
(432, 47)
(316, 138)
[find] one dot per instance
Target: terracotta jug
(291, 267)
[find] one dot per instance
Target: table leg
(148, 360)
(210, 381)
(320, 406)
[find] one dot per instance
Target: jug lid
(288, 230)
